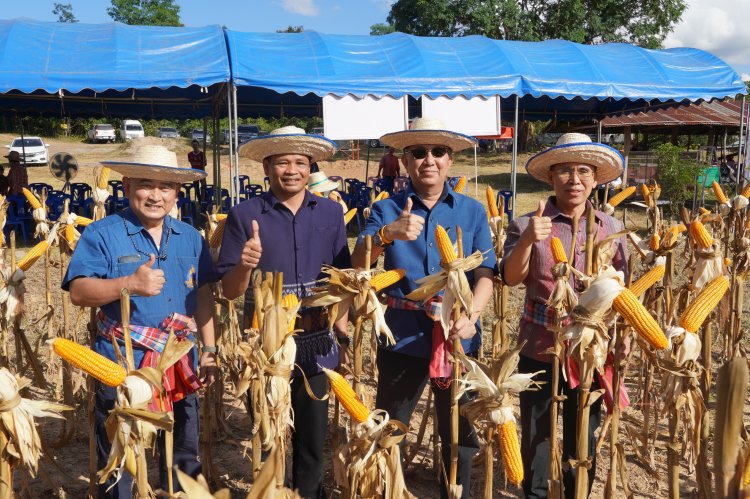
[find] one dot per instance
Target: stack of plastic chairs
(18, 217)
(251, 191)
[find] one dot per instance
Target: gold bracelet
(385, 240)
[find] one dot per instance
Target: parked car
(197, 134)
(247, 132)
(102, 132)
(318, 130)
(131, 129)
(375, 143)
(34, 148)
(167, 132)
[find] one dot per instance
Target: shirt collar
(270, 201)
(133, 225)
(551, 210)
(446, 196)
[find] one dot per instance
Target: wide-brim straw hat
(428, 131)
(288, 140)
(319, 182)
(578, 148)
(156, 163)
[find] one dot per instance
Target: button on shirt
(413, 329)
(109, 248)
(536, 316)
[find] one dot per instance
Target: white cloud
(302, 7)
(717, 26)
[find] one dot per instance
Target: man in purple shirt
(290, 230)
(573, 167)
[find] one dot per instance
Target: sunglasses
(421, 152)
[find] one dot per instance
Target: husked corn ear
(558, 251)
(349, 215)
(318, 193)
(288, 302)
(492, 202)
(98, 366)
(383, 195)
(32, 256)
(255, 324)
(645, 192)
(647, 280)
(727, 262)
(510, 450)
(703, 211)
(347, 397)
(680, 228)
(719, 193)
(103, 178)
(70, 233)
(217, 234)
(627, 305)
(746, 190)
(385, 279)
(32, 199)
(706, 301)
(700, 235)
(445, 246)
(460, 185)
(653, 242)
(221, 216)
(621, 196)
(83, 221)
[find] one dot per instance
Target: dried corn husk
(17, 422)
(335, 196)
(354, 285)
(100, 193)
(731, 389)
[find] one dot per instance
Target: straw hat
(319, 182)
(289, 140)
(578, 148)
(157, 163)
(14, 156)
(428, 131)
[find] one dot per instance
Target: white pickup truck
(102, 133)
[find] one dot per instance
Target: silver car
(168, 132)
(197, 134)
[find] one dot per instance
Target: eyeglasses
(584, 172)
(421, 152)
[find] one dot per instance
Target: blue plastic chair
(188, 188)
(55, 207)
(252, 190)
(15, 222)
(118, 191)
(244, 181)
(507, 196)
(38, 187)
(187, 210)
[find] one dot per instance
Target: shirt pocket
(187, 269)
(123, 269)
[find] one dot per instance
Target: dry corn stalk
(100, 192)
(709, 257)
(22, 444)
(359, 286)
(38, 213)
(12, 288)
(731, 389)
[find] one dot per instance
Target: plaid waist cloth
(538, 313)
(180, 379)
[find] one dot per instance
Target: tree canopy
(641, 22)
(291, 29)
(145, 12)
(64, 13)
(381, 29)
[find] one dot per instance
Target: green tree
(676, 175)
(381, 29)
(145, 12)
(64, 13)
(641, 22)
(291, 29)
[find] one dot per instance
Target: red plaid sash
(179, 380)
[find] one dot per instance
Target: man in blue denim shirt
(166, 266)
(403, 227)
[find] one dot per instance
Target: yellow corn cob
(70, 233)
(32, 256)
(103, 178)
(621, 196)
(347, 397)
(255, 325)
(719, 193)
(703, 211)
(489, 215)
(700, 235)
(217, 234)
(492, 202)
(288, 302)
(318, 193)
(460, 185)
(558, 251)
(221, 216)
(746, 474)
(383, 195)
(746, 190)
(680, 228)
(627, 305)
(671, 236)
(385, 279)
(727, 262)
(32, 199)
(653, 242)
(445, 246)
(98, 366)
(647, 280)
(510, 450)
(706, 301)
(83, 221)
(349, 215)
(645, 192)
(747, 225)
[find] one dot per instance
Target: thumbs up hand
(146, 280)
(407, 226)
(540, 227)
(252, 251)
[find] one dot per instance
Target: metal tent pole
(514, 161)
(233, 192)
(739, 163)
(233, 136)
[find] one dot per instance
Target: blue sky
(718, 26)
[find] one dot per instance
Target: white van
(131, 129)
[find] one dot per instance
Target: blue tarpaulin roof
(398, 64)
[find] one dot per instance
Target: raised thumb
(151, 260)
(256, 230)
(407, 207)
(540, 209)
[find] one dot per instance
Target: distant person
(389, 169)
(319, 182)
(18, 176)
(197, 160)
(3, 182)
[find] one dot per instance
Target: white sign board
(475, 116)
(353, 118)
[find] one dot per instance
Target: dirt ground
(64, 472)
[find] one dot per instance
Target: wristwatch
(343, 341)
(205, 349)
(378, 240)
